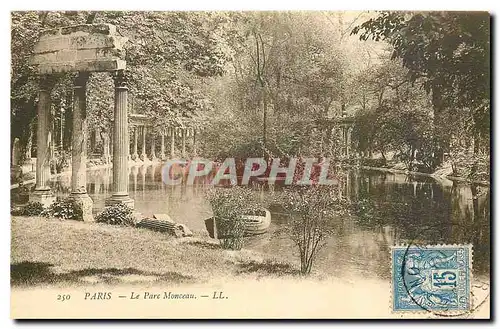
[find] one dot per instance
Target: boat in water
(255, 223)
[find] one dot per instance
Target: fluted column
(52, 137)
(348, 141)
(79, 147)
(144, 156)
(134, 175)
(153, 147)
(172, 143)
(162, 146)
(111, 139)
(106, 149)
(135, 155)
(344, 141)
(61, 127)
(79, 136)
(120, 144)
(42, 191)
(183, 142)
(162, 149)
(195, 151)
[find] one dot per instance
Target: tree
(25, 32)
(181, 48)
(450, 53)
(311, 211)
(286, 65)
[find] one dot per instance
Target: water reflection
(402, 209)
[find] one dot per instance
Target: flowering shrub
(30, 209)
(117, 214)
(64, 209)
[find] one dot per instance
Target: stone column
(15, 154)
(135, 155)
(27, 154)
(42, 191)
(79, 148)
(15, 169)
(52, 137)
(106, 151)
(348, 141)
(134, 175)
(153, 146)
(51, 151)
(172, 143)
(144, 156)
(61, 128)
(162, 149)
(183, 142)
(120, 144)
(344, 141)
(111, 142)
(143, 180)
(153, 169)
(195, 151)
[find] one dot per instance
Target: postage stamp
(433, 278)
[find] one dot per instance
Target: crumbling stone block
(80, 48)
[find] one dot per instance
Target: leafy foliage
(64, 209)
(117, 214)
(288, 71)
(311, 210)
(450, 53)
(440, 47)
(30, 209)
(228, 206)
(169, 52)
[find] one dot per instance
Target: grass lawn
(50, 251)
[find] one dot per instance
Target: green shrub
(64, 209)
(117, 214)
(232, 231)
(311, 211)
(30, 209)
(228, 206)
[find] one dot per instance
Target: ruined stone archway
(81, 49)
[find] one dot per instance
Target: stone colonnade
(142, 130)
(337, 128)
(80, 50)
(42, 192)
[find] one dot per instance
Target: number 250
(63, 298)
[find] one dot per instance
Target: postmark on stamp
(433, 278)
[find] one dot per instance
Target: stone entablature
(80, 48)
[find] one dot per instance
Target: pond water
(408, 209)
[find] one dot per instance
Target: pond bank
(51, 256)
(438, 178)
(61, 174)
(53, 252)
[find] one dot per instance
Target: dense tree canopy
(254, 83)
(448, 51)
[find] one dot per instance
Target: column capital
(121, 79)
(47, 82)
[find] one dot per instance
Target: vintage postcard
(250, 165)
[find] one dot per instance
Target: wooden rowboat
(254, 224)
